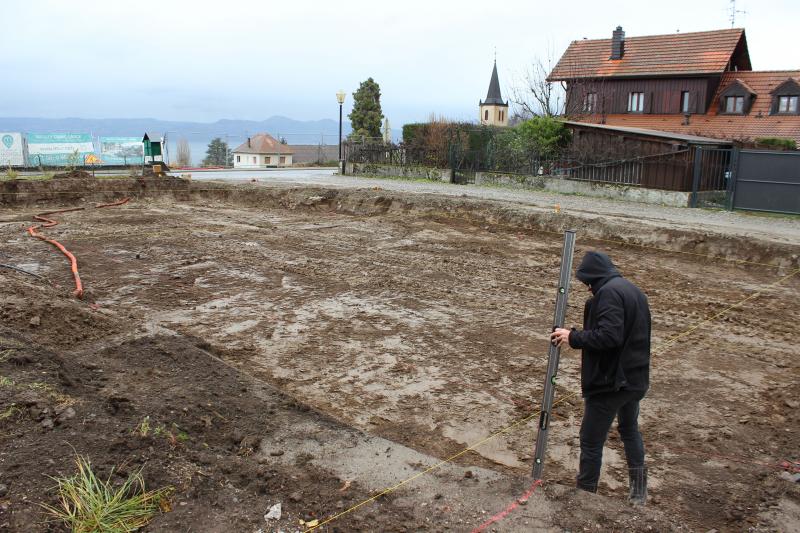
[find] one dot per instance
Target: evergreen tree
(366, 117)
(217, 154)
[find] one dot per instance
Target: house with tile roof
(262, 151)
(699, 84)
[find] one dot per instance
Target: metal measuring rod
(553, 354)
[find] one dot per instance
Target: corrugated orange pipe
(48, 223)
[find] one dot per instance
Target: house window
(266, 160)
(635, 102)
(238, 159)
(787, 104)
(486, 115)
(734, 104)
(283, 160)
(590, 102)
(684, 101)
(254, 160)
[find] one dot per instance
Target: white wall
(498, 115)
(241, 160)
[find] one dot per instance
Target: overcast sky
(204, 61)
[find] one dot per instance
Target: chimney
(617, 43)
(248, 142)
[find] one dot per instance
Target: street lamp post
(340, 98)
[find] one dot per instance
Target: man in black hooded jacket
(615, 369)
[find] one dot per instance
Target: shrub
(11, 173)
(776, 143)
(544, 136)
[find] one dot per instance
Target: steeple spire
(493, 96)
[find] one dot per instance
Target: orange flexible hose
(78, 292)
(49, 223)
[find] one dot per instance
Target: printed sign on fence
(58, 149)
(11, 154)
(121, 150)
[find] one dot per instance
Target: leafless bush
(184, 153)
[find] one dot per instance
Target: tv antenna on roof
(733, 12)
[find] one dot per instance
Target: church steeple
(493, 96)
(493, 110)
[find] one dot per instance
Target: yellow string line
(674, 339)
(439, 464)
(620, 243)
(660, 350)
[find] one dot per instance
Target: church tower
(494, 112)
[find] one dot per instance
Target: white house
(262, 151)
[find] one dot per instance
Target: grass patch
(11, 411)
(90, 505)
(6, 382)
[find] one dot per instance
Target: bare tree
(184, 153)
(533, 95)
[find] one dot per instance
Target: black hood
(595, 269)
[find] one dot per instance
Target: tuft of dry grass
(90, 505)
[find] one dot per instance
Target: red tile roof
(743, 128)
(262, 143)
(655, 55)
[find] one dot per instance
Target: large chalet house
(698, 84)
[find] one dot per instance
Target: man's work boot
(638, 485)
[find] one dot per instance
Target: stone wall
(585, 188)
(411, 171)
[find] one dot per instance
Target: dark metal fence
(694, 169)
(669, 171)
(712, 172)
(767, 181)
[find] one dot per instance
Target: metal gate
(713, 170)
(767, 181)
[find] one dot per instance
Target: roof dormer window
(787, 104)
(786, 98)
(734, 104)
(736, 99)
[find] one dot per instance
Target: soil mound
(73, 174)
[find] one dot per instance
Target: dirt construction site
(374, 360)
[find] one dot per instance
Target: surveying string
(438, 465)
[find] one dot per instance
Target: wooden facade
(661, 95)
(699, 83)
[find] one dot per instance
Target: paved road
(781, 229)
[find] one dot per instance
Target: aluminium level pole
(553, 354)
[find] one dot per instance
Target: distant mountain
(237, 131)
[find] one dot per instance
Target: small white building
(262, 151)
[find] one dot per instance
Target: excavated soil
(312, 347)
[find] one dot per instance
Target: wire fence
(669, 171)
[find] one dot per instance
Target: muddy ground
(293, 352)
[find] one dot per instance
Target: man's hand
(560, 337)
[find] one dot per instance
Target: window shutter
(649, 106)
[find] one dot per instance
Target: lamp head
(340, 97)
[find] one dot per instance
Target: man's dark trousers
(599, 413)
